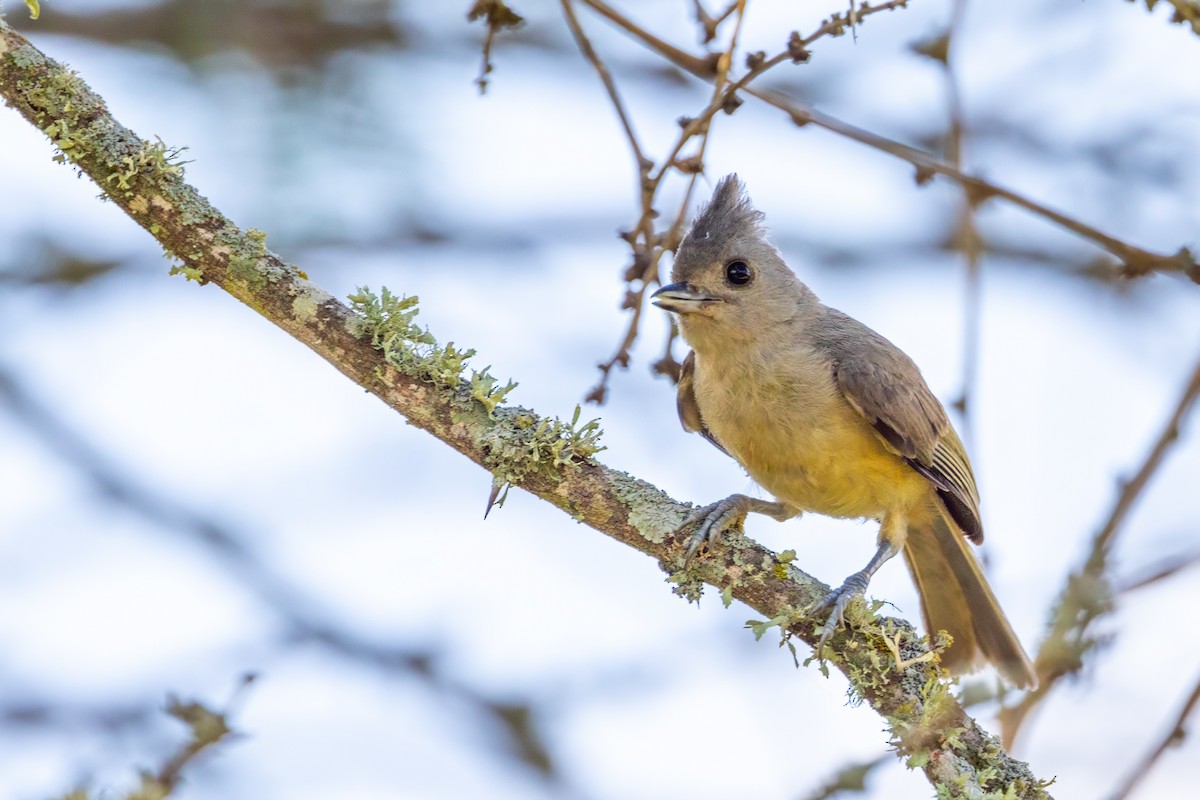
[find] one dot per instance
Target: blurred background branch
(1088, 594)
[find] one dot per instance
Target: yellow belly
(808, 447)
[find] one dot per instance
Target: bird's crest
(729, 214)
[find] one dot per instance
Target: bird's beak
(682, 299)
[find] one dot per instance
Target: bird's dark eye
(738, 273)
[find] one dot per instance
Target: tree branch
(1135, 260)
(546, 458)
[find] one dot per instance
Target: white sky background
(378, 525)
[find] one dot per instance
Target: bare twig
(610, 86)
(710, 24)
(1175, 734)
(1088, 593)
(967, 234)
(497, 16)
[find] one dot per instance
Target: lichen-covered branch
(377, 344)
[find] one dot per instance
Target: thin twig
(1088, 593)
(708, 23)
(1166, 568)
(610, 86)
(1175, 735)
(967, 232)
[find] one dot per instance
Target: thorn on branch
(923, 175)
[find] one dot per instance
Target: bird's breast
(788, 425)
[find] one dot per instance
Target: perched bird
(830, 417)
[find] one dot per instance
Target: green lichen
(540, 445)
(154, 160)
(305, 306)
(486, 389)
(188, 272)
(246, 260)
(647, 510)
(518, 442)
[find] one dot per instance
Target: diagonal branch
(1088, 593)
(1175, 735)
(927, 725)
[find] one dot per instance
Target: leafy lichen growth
(154, 158)
(188, 272)
(518, 442)
(531, 444)
(486, 389)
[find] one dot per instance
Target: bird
(829, 417)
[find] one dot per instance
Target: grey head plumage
(729, 219)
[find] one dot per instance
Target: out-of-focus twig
(1175, 734)
(1185, 11)
(1166, 568)
(966, 232)
(1088, 594)
(302, 624)
(497, 16)
(850, 778)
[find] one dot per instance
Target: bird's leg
(712, 520)
(854, 586)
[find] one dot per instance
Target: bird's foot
(837, 601)
(714, 519)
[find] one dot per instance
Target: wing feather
(884, 385)
(689, 409)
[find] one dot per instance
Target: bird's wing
(885, 386)
(689, 409)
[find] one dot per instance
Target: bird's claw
(838, 601)
(710, 522)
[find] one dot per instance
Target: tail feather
(956, 598)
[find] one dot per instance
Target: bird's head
(728, 281)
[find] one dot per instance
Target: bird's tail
(956, 598)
